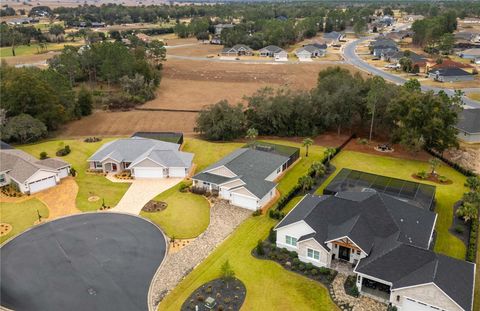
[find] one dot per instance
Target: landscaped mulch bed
(154, 206)
(350, 286)
(289, 260)
(10, 191)
(228, 296)
(433, 178)
(459, 228)
(5, 228)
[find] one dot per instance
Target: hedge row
(472, 242)
(452, 164)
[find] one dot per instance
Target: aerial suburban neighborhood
(238, 155)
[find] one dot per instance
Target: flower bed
(92, 139)
(154, 206)
(432, 177)
(350, 286)
(289, 260)
(11, 191)
(226, 295)
(125, 175)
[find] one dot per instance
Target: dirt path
(60, 200)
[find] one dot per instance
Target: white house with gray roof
(387, 240)
(245, 177)
(468, 125)
(143, 157)
(28, 173)
(309, 51)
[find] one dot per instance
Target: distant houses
(333, 37)
(237, 50)
(450, 74)
(23, 21)
(274, 51)
(473, 54)
(418, 61)
(307, 52)
(220, 27)
(383, 45)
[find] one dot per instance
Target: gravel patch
(224, 218)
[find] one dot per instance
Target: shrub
(293, 254)
(259, 249)
(272, 235)
(73, 172)
(257, 213)
(183, 187)
(314, 272)
(309, 266)
(459, 229)
(362, 141)
(43, 155)
(442, 179)
(422, 175)
(295, 261)
(63, 152)
(200, 298)
(301, 266)
(324, 270)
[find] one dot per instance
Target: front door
(114, 167)
(344, 253)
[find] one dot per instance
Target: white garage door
(42, 184)
(63, 172)
(148, 172)
(245, 202)
(176, 172)
(414, 305)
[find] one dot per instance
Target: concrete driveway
(141, 191)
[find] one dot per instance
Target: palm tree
(473, 183)
(307, 142)
(329, 152)
(467, 211)
(306, 182)
(317, 168)
(434, 164)
(252, 134)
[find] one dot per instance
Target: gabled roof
(332, 35)
(130, 149)
(469, 121)
(383, 43)
(406, 265)
(21, 166)
(272, 49)
(236, 48)
(311, 48)
(251, 166)
(166, 158)
(471, 52)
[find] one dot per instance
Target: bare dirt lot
(192, 85)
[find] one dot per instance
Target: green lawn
(207, 152)
(269, 286)
(21, 215)
(32, 49)
(186, 216)
(446, 195)
(89, 184)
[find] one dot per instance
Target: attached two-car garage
(42, 184)
(415, 305)
(243, 201)
(148, 172)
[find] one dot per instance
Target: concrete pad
(141, 191)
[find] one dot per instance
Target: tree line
(435, 33)
(342, 102)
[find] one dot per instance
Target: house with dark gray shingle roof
(237, 50)
(387, 240)
(143, 157)
(468, 125)
(28, 173)
(245, 177)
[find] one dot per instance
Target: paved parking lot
(93, 261)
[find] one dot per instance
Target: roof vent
(401, 219)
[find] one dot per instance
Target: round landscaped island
(218, 294)
(92, 261)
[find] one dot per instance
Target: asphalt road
(351, 57)
(92, 261)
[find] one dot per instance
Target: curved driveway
(92, 261)
(352, 58)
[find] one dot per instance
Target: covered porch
(375, 289)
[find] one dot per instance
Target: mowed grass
(269, 286)
(474, 96)
(89, 184)
(446, 195)
(25, 50)
(21, 215)
(186, 216)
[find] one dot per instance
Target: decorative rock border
(228, 296)
(5, 228)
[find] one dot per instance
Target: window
(358, 252)
(2, 177)
(98, 164)
(290, 240)
(279, 169)
(313, 254)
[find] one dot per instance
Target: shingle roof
(129, 149)
(273, 48)
(54, 163)
(4, 145)
(252, 167)
(469, 121)
(451, 71)
(332, 35)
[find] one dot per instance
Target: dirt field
(192, 85)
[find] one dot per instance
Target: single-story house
(451, 74)
(383, 45)
(143, 157)
(269, 51)
(23, 21)
(307, 52)
(446, 63)
(245, 177)
(473, 54)
(29, 174)
(395, 56)
(333, 37)
(387, 240)
(220, 27)
(468, 125)
(238, 50)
